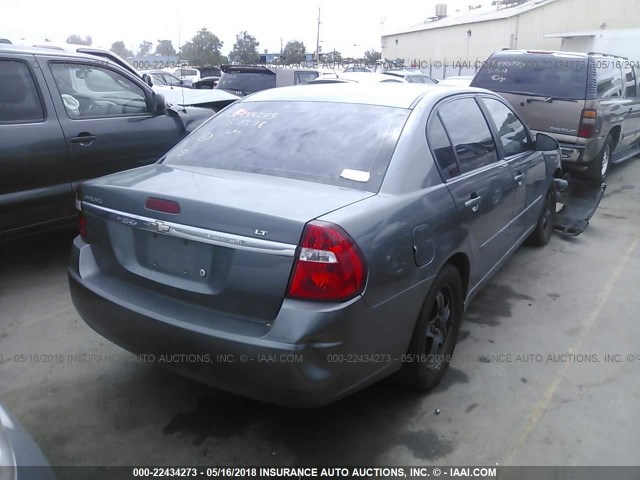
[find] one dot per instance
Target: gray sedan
(308, 241)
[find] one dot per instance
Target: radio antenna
(184, 107)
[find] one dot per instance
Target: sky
(350, 27)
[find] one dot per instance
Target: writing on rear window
(348, 145)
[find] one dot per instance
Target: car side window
(513, 134)
(442, 149)
(304, 77)
(468, 130)
(19, 98)
(629, 82)
(608, 79)
(90, 91)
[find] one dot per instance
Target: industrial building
(570, 25)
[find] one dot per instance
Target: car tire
(599, 167)
(544, 226)
(426, 362)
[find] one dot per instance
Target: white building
(570, 25)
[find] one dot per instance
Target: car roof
(398, 95)
(53, 52)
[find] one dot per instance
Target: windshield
(534, 75)
(247, 82)
(334, 143)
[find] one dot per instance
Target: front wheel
(435, 334)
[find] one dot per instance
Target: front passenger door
(106, 121)
(481, 184)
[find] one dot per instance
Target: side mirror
(146, 78)
(546, 143)
(159, 104)
(181, 83)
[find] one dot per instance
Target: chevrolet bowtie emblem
(159, 227)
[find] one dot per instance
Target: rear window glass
(246, 82)
(339, 144)
(535, 75)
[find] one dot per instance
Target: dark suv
(243, 80)
(67, 117)
(588, 101)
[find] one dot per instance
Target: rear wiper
(551, 99)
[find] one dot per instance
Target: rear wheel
(599, 167)
(544, 228)
(435, 334)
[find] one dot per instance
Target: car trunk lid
(230, 248)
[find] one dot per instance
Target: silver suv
(587, 101)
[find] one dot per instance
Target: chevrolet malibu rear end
(259, 256)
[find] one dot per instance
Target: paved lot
(576, 296)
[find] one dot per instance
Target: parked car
(181, 96)
(20, 456)
(588, 102)
(67, 117)
(210, 72)
(308, 241)
(160, 77)
(242, 80)
(459, 81)
(207, 82)
(356, 69)
(411, 76)
(187, 75)
(365, 78)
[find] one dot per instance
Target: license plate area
(173, 256)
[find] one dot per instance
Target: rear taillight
(82, 226)
(82, 221)
(588, 124)
(329, 266)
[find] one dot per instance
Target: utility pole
(318, 40)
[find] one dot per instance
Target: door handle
(83, 138)
(473, 203)
(519, 178)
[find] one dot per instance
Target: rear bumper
(571, 152)
(310, 355)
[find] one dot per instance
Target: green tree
(145, 48)
(78, 40)
(372, 56)
(245, 50)
(120, 49)
(333, 57)
(294, 52)
(165, 47)
(203, 49)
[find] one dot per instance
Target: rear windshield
(535, 75)
(185, 71)
(247, 82)
(340, 144)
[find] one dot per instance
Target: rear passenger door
(481, 184)
(527, 166)
(34, 175)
